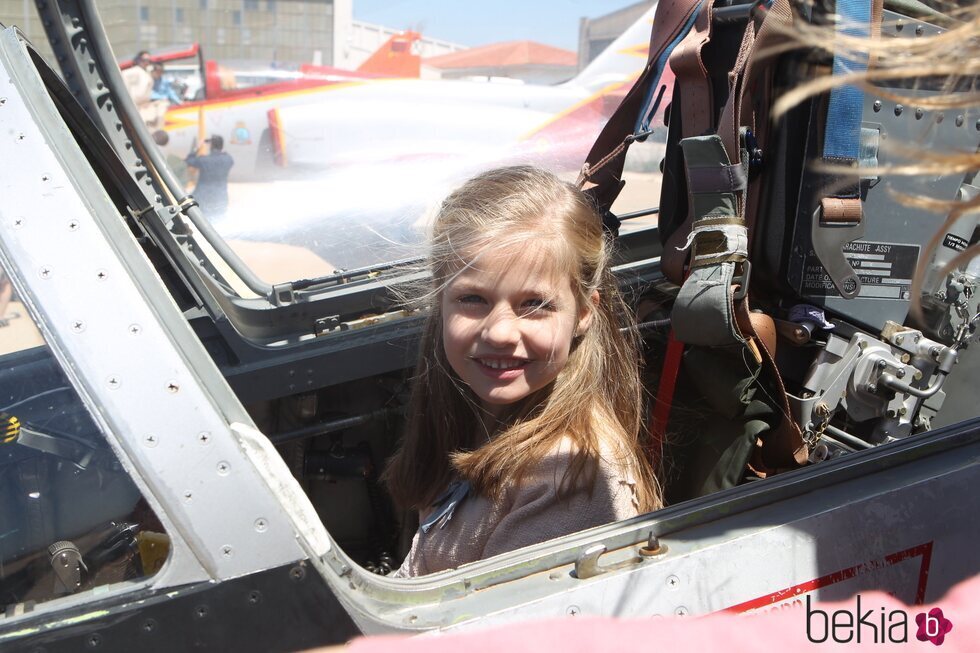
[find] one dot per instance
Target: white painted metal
(895, 530)
(144, 376)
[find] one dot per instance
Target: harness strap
(695, 96)
(688, 65)
(601, 175)
(703, 311)
(712, 307)
(843, 125)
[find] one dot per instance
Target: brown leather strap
(603, 169)
(784, 447)
(764, 328)
(692, 77)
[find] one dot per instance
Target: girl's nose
(501, 328)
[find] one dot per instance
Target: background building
(531, 62)
(291, 32)
(287, 32)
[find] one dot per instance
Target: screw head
(45, 272)
(201, 611)
(18, 223)
(77, 326)
(93, 641)
(261, 525)
(101, 275)
(254, 597)
(673, 582)
(959, 121)
(876, 106)
(297, 573)
(681, 611)
(172, 387)
(223, 468)
(919, 113)
(113, 382)
(148, 626)
(188, 496)
(227, 551)
(73, 225)
(204, 437)
(135, 329)
(899, 109)
(573, 610)
(150, 440)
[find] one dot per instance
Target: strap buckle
(742, 279)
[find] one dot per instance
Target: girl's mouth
(502, 368)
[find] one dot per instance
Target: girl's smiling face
(508, 323)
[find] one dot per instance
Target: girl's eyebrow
(465, 285)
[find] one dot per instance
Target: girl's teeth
(501, 365)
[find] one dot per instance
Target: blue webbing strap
(842, 133)
(651, 104)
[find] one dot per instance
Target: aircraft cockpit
(195, 408)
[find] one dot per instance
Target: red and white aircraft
(349, 170)
(374, 121)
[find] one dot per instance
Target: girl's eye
(538, 304)
(469, 299)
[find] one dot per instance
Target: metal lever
(66, 560)
(828, 237)
(587, 565)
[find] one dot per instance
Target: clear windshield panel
(330, 162)
(71, 518)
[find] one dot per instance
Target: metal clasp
(742, 279)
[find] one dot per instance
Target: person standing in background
(163, 88)
(211, 191)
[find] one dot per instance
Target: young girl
(527, 402)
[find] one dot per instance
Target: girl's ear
(585, 315)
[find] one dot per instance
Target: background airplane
(208, 81)
(350, 170)
(383, 120)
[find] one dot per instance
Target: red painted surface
(923, 550)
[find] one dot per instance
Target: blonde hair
(596, 399)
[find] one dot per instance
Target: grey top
(528, 513)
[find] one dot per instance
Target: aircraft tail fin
(622, 60)
(395, 58)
